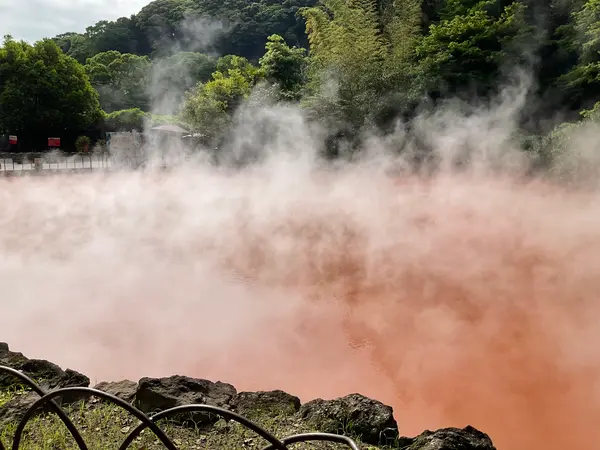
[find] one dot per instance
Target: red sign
(12, 140)
(54, 142)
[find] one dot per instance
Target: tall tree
(161, 21)
(43, 90)
(76, 45)
(121, 80)
(209, 106)
(285, 66)
(468, 48)
(122, 35)
(582, 82)
(366, 49)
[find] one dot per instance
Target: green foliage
(43, 89)
(127, 81)
(592, 114)
(569, 151)
(250, 23)
(368, 62)
(153, 120)
(121, 79)
(561, 148)
(165, 27)
(209, 106)
(136, 119)
(82, 143)
(123, 35)
(285, 67)
(160, 22)
(366, 49)
(125, 120)
(469, 46)
(583, 80)
(241, 64)
(75, 45)
(586, 23)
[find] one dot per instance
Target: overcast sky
(32, 20)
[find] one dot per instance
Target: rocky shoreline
(368, 420)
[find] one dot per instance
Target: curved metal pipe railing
(47, 398)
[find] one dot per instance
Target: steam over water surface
(461, 300)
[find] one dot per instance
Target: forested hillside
(167, 26)
(196, 61)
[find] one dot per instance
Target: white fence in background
(23, 163)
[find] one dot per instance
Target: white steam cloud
(197, 34)
(470, 296)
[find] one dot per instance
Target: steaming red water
(460, 301)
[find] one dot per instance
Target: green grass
(8, 394)
(104, 426)
(5, 397)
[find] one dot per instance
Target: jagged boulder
(158, 394)
(48, 375)
(261, 404)
(8, 358)
(467, 438)
(354, 414)
(125, 390)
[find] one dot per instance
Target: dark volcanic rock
(354, 414)
(42, 371)
(467, 438)
(16, 407)
(72, 378)
(49, 377)
(6, 356)
(14, 410)
(45, 373)
(125, 389)
(272, 403)
(158, 394)
(14, 361)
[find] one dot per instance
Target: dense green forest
(352, 64)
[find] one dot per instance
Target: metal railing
(31, 163)
(47, 398)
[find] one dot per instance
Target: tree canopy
(120, 79)
(209, 105)
(351, 64)
(285, 66)
(165, 27)
(41, 88)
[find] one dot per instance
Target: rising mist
(465, 297)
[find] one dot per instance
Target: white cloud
(32, 20)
